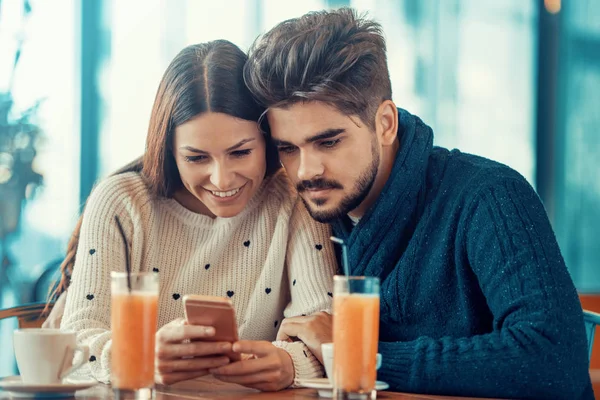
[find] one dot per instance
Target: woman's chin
(228, 207)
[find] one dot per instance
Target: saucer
(325, 388)
(14, 385)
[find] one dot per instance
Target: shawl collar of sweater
(377, 242)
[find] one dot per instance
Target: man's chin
(322, 215)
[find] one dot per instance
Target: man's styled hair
(336, 57)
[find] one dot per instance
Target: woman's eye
(194, 159)
(241, 153)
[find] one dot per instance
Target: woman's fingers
(272, 369)
(174, 377)
(259, 348)
(192, 349)
(248, 367)
(177, 331)
(183, 353)
(190, 364)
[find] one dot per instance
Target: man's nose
(310, 166)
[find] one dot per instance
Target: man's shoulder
(464, 171)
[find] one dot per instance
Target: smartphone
(213, 311)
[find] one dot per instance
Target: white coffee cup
(327, 351)
(45, 356)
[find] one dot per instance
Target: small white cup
(327, 351)
(45, 356)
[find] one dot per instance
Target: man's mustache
(320, 184)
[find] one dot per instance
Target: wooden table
(210, 389)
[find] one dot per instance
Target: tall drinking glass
(133, 325)
(355, 336)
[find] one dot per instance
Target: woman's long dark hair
(206, 77)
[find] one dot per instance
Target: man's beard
(351, 201)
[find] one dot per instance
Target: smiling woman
(220, 168)
(208, 210)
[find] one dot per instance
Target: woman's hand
(267, 367)
(181, 353)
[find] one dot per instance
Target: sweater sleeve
(537, 348)
(100, 251)
(311, 264)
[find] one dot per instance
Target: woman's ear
(386, 123)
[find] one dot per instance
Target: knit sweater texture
(476, 299)
(272, 261)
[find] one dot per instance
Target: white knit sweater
(273, 261)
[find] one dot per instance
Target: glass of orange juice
(355, 336)
(133, 326)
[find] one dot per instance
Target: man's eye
(330, 143)
(286, 149)
(194, 159)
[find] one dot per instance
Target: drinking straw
(344, 254)
(127, 266)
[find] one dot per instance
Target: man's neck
(388, 156)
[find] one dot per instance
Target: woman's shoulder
(276, 195)
(120, 184)
(122, 190)
(280, 187)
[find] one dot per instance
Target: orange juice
(133, 327)
(355, 337)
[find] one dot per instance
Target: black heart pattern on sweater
(207, 266)
(90, 297)
(268, 290)
(329, 294)
(230, 293)
(294, 283)
(247, 243)
(154, 269)
(319, 247)
(92, 251)
(92, 358)
(275, 324)
(176, 296)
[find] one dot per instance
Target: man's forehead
(295, 122)
(303, 120)
(304, 108)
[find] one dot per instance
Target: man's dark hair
(336, 57)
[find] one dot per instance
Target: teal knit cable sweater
(475, 296)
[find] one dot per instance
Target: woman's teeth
(226, 194)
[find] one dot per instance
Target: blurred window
(48, 71)
(578, 181)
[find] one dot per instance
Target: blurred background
(517, 81)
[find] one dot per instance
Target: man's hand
(263, 367)
(313, 330)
